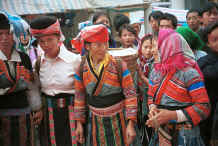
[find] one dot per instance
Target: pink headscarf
(175, 53)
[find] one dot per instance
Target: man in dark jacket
(209, 68)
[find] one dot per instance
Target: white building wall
(178, 4)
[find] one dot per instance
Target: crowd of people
(54, 96)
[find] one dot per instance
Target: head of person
(168, 21)
(145, 54)
(193, 19)
(145, 47)
(119, 20)
(101, 18)
(94, 39)
(47, 31)
(25, 36)
(192, 38)
(211, 36)
(137, 26)
(154, 20)
(209, 13)
(172, 51)
(127, 36)
(6, 36)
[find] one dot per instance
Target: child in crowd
(127, 36)
(145, 62)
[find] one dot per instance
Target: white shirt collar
(64, 55)
(14, 56)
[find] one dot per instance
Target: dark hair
(42, 22)
(155, 15)
(192, 11)
(98, 14)
(208, 7)
(4, 23)
(147, 37)
(120, 20)
(128, 28)
(34, 43)
(208, 30)
(171, 17)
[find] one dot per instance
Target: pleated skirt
(108, 129)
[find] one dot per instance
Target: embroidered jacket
(104, 84)
(184, 90)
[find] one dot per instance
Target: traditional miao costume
(111, 99)
(176, 84)
(18, 92)
(57, 87)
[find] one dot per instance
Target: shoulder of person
(188, 74)
(208, 59)
(72, 57)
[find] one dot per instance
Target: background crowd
(160, 90)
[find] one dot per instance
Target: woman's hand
(130, 132)
(153, 111)
(162, 117)
(37, 117)
(143, 77)
(79, 132)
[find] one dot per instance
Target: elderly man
(20, 101)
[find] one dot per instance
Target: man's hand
(37, 117)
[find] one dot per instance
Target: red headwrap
(92, 34)
(52, 29)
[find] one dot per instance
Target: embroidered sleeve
(150, 93)
(79, 102)
(130, 93)
(201, 108)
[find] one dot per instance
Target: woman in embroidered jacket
(55, 68)
(20, 102)
(106, 88)
(178, 100)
